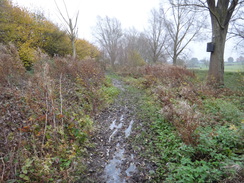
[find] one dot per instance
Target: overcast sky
(131, 13)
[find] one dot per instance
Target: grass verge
(190, 132)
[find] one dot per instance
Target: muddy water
(120, 166)
(112, 159)
(114, 167)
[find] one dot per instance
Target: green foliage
(197, 134)
(27, 55)
(108, 91)
(223, 111)
(219, 140)
(211, 159)
(86, 50)
(217, 150)
(188, 171)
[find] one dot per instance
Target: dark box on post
(210, 47)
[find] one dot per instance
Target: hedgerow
(47, 117)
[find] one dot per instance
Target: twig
(3, 168)
(46, 83)
(61, 101)
(45, 128)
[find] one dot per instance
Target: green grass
(234, 67)
(229, 67)
(233, 80)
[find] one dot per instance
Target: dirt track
(113, 159)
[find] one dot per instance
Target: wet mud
(112, 159)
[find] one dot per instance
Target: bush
(11, 68)
(167, 74)
(27, 55)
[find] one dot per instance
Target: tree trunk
(113, 59)
(72, 38)
(220, 14)
(74, 49)
(174, 58)
(216, 67)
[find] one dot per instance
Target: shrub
(135, 59)
(167, 74)
(28, 55)
(11, 68)
(184, 118)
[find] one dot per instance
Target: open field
(229, 67)
(233, 78)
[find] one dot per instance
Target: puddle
(112, 169)
(122, 118)
(130, 170)
(132, 167)
(114, 126)
(128, 130)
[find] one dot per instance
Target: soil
(113, 159)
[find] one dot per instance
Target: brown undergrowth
(198, 133)
(46, 117)
(181, 96)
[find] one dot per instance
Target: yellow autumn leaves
(32, 33)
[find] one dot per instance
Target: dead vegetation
(46, 116)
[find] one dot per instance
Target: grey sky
(131, 13)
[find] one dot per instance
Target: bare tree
(182, 28)
(221, 12)
(108, 33)
(129, 43)
(72, 27)
(134, 49)
(156, 36)
(139, 42)
(237, 29)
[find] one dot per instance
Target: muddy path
(112, 159)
